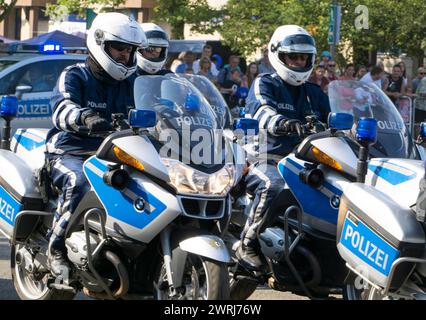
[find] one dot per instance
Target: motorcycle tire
(214, 274)
(28, 288)
(350, 292)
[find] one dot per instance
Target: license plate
(367, 245)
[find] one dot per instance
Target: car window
(6, 63)
(41, 76)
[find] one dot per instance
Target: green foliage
(5, 7)
(62, 8)
(178, 12)
(392, 24)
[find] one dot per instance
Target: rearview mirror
(21, 89)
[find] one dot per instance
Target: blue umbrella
(57, 37)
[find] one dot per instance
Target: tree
(62, 8)
(247, 25)
(392, 25)
(5, 7)
(177, 13)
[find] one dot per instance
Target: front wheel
(203, 279)
(33, 286)
(367, 292)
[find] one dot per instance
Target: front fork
(177, 247)
(174, 267)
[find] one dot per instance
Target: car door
(40, 78)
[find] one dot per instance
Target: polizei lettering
(389, 125)
(33, 110)
(198, 121)
(6, 210)
(368, 249)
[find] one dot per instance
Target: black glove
(94, 122)
(290, 126)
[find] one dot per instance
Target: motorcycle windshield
(213, 96)
(187, 126)
(367, 100)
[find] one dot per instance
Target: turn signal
(126, 158)
(325, 159)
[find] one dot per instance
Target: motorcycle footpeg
(62, 287)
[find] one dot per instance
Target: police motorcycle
(380, 234)
(149, 226)
(213, 96)
(298, 241)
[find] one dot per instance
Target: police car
(30, 72)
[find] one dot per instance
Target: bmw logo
(139, 204)
(335, 201)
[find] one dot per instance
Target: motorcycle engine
(272, 242)
(77, 247)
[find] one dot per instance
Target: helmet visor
(297, 61)
(297, 43)
(152, 34)
(154, 53)
(121, 47)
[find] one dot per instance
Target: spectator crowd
(230, 78)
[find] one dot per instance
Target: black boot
(58, 263)
(249, 258)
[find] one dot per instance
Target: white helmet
(291, 39)
(157, 38)
(114, 27)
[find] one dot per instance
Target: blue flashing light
(423, 130)
(192, 103)
(366, 130)
(242, 93)
(340, 121)
(242, 113)
(9, 106)
(51, 48)
(247, 125)
(142, 118)
(168, 103)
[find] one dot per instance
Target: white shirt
(368, 79)
(196, 68)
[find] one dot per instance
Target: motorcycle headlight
(189, 180)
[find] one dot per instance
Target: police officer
(152, 58)
(279, 101)
(83, 100)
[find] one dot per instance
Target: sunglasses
(297, 56)
(153, 49)
(331, 65)
(119, 46)
(422, 73)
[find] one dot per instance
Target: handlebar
(312, 126)
(118, 124)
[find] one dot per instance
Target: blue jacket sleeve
(324, 106)
(261, 104)
(67, 99)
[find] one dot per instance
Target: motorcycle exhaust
(122, 274)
